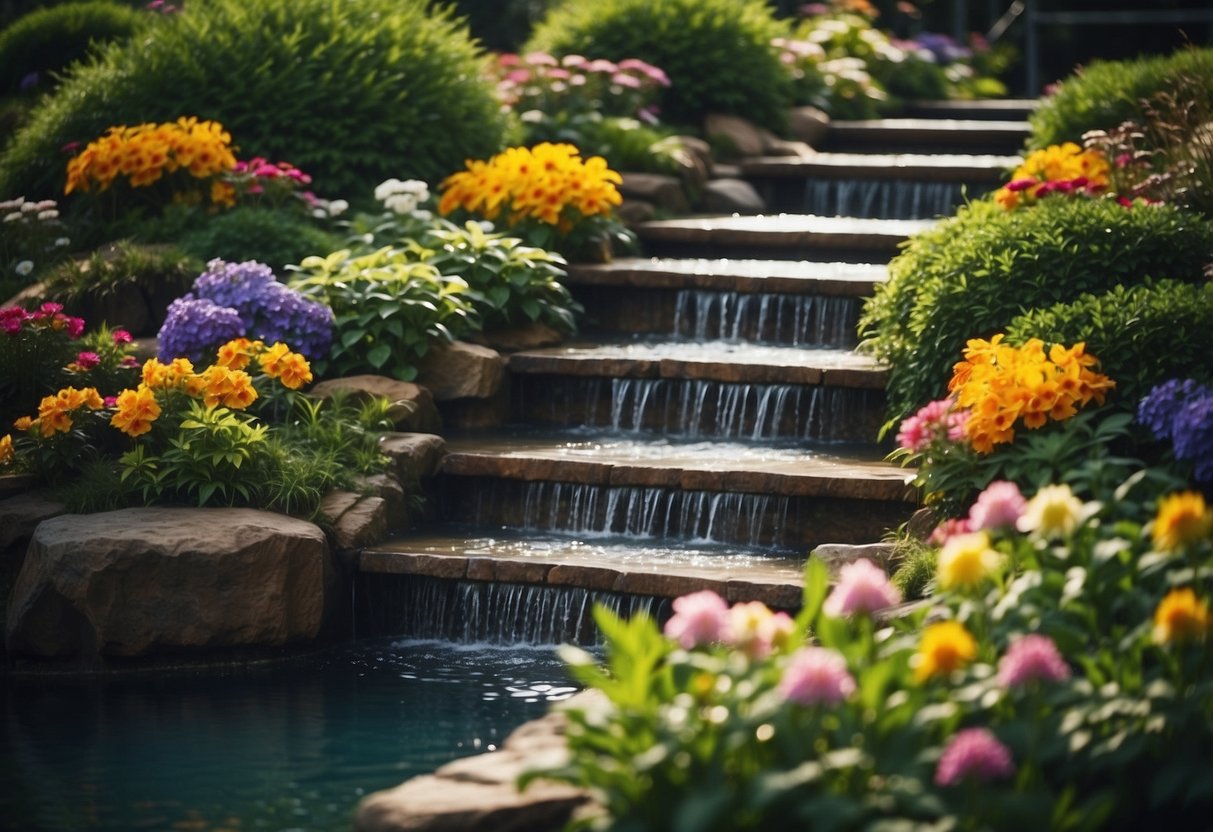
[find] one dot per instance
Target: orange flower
(7, 453)
(23, 423)
(290, 368)
(231, 388)
(137, 409)
(1181, 617)
(945, 647)
(237, 353)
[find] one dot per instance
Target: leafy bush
(347, 91)
(717, 53)
(1106, 93)
(47, 40)
(970, 275)
(1143, 334)
(387, 309)
(277, 237)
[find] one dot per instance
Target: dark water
(291, 747)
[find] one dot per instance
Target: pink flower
(1033, 658)
(87, 360)
(74, 327)
(121, 336)
(933, 421)
(110, 401)
(699, 618)
(540, 59)
(974, 754)
(863, 587)
(623, 80)
(1021, 184)
(753, 628)
(816, 676)
(997, 507)
(950, 528)
(128, 361)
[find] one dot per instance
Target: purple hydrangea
(270, 311)
(194, 326)
(1181, 410)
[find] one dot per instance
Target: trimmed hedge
(717, 53)
(351, 92)
(971, 275)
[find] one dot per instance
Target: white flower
(1054, 512)
(401, 203)
(31, 207)
(10, 204)
(338, 206)
(386, 188)
(485, 226)
(49, 214)
(45, 205)
(62, 241)
(320, 213)
(24, 267)
(418, 187)
(423, 216)
(13, 217)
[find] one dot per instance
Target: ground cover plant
(391, 71)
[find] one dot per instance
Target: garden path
(714, 422)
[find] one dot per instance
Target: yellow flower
(1182, 520)
(237, 353)
(23, 423)
(290, 368)
(944, 647)
(137, 409)
(1053, 512)
(231, 388)
(966, 560)
(6, 449)
(163, 376)
(55, 412)
(1181, 617)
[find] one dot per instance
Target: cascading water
(494, 613)
(764, 318)
(882, 198)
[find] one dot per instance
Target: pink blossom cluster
(999, 507)
(934, 422)
(862, 589)
(525, 81)
(47, 316)
(974, 754)
(703, 618)
(1032, 658)
(1037, 189)
(816, 676)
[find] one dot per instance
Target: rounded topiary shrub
(969, 276)
(277, 237)
(1106, 93)
(717, 53)
(352, 92)
(48, 39)
(1142, 335)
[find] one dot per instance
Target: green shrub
(970, 275)
(350, 92)
(717, 53)
(1106, 93)
(1142, 335)
(47, 40)
(276, 237)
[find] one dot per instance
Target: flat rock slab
(21, 514)
(131, 582)
(461, 370)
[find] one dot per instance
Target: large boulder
(461, 370)
(411, 405)
(131, 582)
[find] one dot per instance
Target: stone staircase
(712, 423)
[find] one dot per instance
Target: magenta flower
(121, 336)
(87, 360)
(1032, 658)
(816, 676)
(863, 588)
(974, 754)
(999, 506)
(699, 618)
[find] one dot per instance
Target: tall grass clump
(353, 92)
(717, 53)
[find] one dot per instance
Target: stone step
(994, 109)
(779, 237)
(725, 275)
(926, 135)
(732, 493)
(875, 185)
(689, 390)
(600, 564)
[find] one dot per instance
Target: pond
(288, 747)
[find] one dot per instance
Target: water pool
(288, 747)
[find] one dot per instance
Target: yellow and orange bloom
(966, 561)
(1181, 617)
(55, 412)
(136, 410)
(7, 454)
(23, 423)
(1182, 519)
(237, 353)
(230, 388)
(945, 647)
(1060, 168)
(173, 375)
(290, 368)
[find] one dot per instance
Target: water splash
(883, 198)
(765, 318)
(494, 613)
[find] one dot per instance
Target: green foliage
(915, 570)
(387, 307)
(717, 53)
(707, 737)
(969, 276)
(350, 92)
(275, 236)
(1105, 93)
(47, 40)
(1142, 335)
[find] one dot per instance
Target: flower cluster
(280, 183)
(934, 423)
(549, 183)
(230, 300)
(1181, 411)
(31, 235)
(863, 588)
(704, 618)
(49, 316)
(538, 82)
(145, 153)
(1057, 169)
(402, 197)
(1001, 385)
